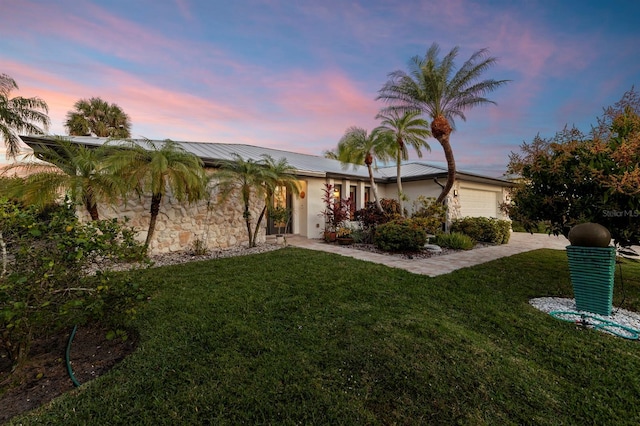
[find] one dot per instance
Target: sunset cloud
(295, 76)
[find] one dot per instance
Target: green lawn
(302, 337)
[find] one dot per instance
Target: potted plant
(592, 264)
(336, 213)
(344, 236)
(280, 217)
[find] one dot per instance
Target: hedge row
(484, 229)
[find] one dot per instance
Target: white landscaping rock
(433, 248)
(618, 316)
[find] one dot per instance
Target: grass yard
(302, 337)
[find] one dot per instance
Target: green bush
(484, 229)
(359, 235)
(538, 228)
(370, 217)
(44, 287)
(400, 235)
(455, 241)
(430, 225)
(431, 215)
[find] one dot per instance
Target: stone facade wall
(453, 205)
(218, 225)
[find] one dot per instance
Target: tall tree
(408, 130)
(434, 87)
(19, 115)
(98, 118)
(160, 169)
(76, 170)
(358, 147)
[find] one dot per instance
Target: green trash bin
(592, 274)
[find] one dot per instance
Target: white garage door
(478, 203)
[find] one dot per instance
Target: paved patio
(440, 264)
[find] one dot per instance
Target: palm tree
(331, 154)
(160, 169)
(277, 174)
(357, 147)
(247, 177)
(434, 87)
(98, 118)
(260, 178)
(407, 129)
(75, 169)
(19, 115)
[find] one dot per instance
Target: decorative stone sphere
(589, 235)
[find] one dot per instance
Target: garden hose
(597, 323)
(69, 370)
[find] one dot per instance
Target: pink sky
(296, 76)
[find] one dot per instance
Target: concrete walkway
(440, 264)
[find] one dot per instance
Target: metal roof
(305, 164)
(413, 170)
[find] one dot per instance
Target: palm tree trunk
(246, 197)
(451, 168)
(252, 242)
(92, 208)
(90, 203)
(247, 220)
(255, 231)
(155, 209)
(399, 179)
(441, 130)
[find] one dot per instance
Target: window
(337, 193)
(353, 198)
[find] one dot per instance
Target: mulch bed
(44, 375)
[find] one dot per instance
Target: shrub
(44, 288)
(537, 228)
(336, 212)
(370, 217)
(390, 206)
(485, 229)
(430, 225)
(431, 214)
(400, 235)
(360, 236)
(455, 241)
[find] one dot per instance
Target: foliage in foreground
(288, 337)
(42, 288)
(576, 177)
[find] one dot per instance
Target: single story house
(220, 227)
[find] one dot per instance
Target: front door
(282, 199)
